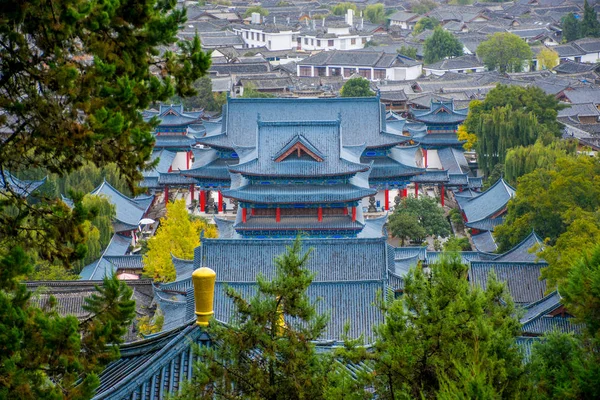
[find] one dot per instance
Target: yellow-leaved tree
(178, 235)
(470, 138)
(547, 58)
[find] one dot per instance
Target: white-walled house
(333, 37)
(404, 19)
(273, 37)
(372, 65)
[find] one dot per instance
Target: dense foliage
(204, 98)
(442, 44)
(504, 51)
(567, 366)
(425, 23)
(178, 235)
(522, 160)
(511, 116)
(417, 218)
(560, 202)
(357, 87)
(407, 51)
(442, 337)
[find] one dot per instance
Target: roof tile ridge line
(546, 297)
(532, 233)
(179, 259)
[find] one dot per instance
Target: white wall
(344, 43)
(273, 41)
(180, 161)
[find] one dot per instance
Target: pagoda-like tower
(299, 177)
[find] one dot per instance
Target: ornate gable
(299, 148)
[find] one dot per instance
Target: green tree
(46, 356)
(565, 365)
(428, 213)
(70, 96)
(342, 8)
(425, 23)
(256, 9)
(178, 235)
(267, 351)
(455, 243)
(441, 325)
(560, 202)
(406, 226)
(375, 13)
(442, 44)
(522, 160)
(357, 87)
(504, 51)
(407, 51)
(571, 29)
(590, 26)
(533, 99)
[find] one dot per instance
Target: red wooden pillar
(166, 194)
(405, 192)
(187, 159)
(345, 210)
(202, 200)
(278, 214)
(244, 211)
(387, 200)
(425, 156)
(192, 192)
(252, 212)
(353, 214)
(416, 190)
(320, 214)
(442, 195)
(220, 201)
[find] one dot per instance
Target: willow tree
(499, 131)
(522, 160)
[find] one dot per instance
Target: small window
(352, 41)
(252, 35)
(246, 34)
(305, 40)
(318, 43)
(263, 37)
(364, 40)
(312, 42)
(330, 43)
(269, 44)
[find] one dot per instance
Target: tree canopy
(407, 51)
(590, 26)
(442, 44)
(357, 87)
(342, 8)
(441, 330)
(425, 23)
(504, 51)
(570, 28)
(560, 202)
(375, 13)
(178, 235)
(416, 218)
(548, 58)
(204, 97)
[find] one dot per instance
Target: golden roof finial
(204, 293)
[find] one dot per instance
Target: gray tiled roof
(297, 194)
(524, 251)
(350, 303)
(352, 58)
(486, 224)
(484, 242)
(489, 202)
(240, 260)
(522, 279)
